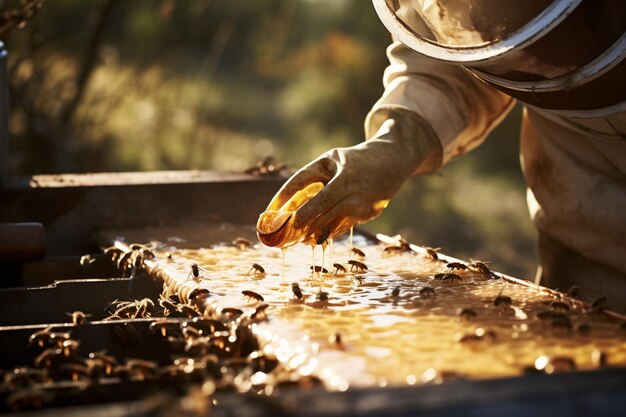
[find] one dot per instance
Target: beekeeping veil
(523, 47)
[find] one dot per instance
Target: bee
(467, 314)
(191, 333)
(396, 291)
(403, 247)
(19, 377)
(427, 291)
(69, 347)
(358, 265)
(297, 292)
(318, 268)
(357, 252)
(432, 253)
(554, 365)
(599, 303)
(74, 370)
(480, 267)
(40, 337)
(162, 326)
(58, 338)
(138, 263)
(488, 335)
(188, 311)
(323, 236)
(242, 243)
(79, 318)
(108, 361)
(259, 313)
(232, 312)
(141, 369)
(480, 335)
(251, 295)
(559, 306)
(134, 309)
(434, 376)
(168, 306)
(198, 293)
(545, 315)
(49, 357)
(502, 301)
(469, 338)
(336, 340)
(574, 291)
(453, 277)
(391, 250)
(456, 265)
(322, 296)
(113, 252)
(147, 254)
(258, 269)
(28, 399)
(339, 268)
(124, 261)
(205, 326)
(448, 277)
(194, 273)
(87, 260)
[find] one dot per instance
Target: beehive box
(73, 208)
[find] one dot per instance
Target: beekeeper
(456, 69)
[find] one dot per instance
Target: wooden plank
(582, 394)
(122, 339)
(52, 303)
(63, 268)
(22, 241)
(79, 395)
(73, 208)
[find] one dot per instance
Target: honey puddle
(410, 338)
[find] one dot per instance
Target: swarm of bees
(131, 309)
(212, 346)
(132, 259)
(216, 346)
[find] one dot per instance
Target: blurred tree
(110, 85)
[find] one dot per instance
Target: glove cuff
(413, 135)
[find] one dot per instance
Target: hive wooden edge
(586, 393)
(103, 179)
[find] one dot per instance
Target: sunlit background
(114, 85)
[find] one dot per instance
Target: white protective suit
(575, 167)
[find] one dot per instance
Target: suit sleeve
(459, 108)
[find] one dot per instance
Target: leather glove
(358, 182)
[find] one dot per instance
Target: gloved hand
(360, 180)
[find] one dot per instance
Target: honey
(275, 226)
(430, 330)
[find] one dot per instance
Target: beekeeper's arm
(429, 113)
